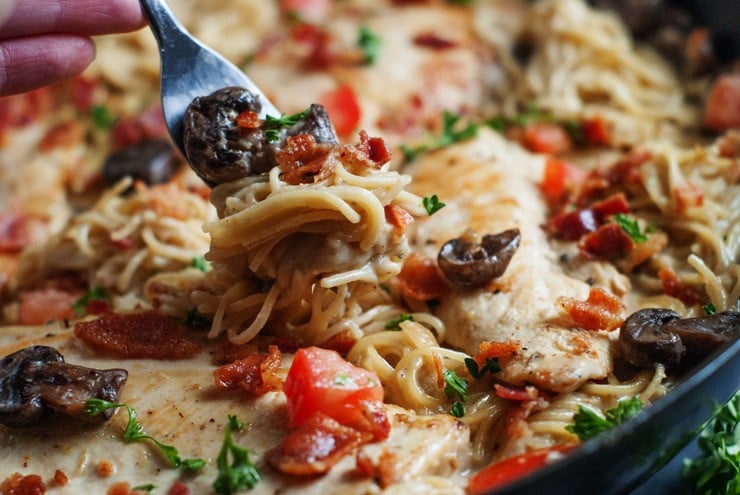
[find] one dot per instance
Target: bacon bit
(608, 242)
(104, 469)
(315, 447)
(131, 130)
(600, 311)
(627, 169)
(675, 287)
(60, 478)
(248, 120)
(687, 195)
(97, 307)
(399, 218)
(255, 374)
(518, 395)
(572, 225)
(342, 342)
(23, 109)
(643, 251)
(728, 145)
(420, 279)
(378, 424)
(503, 351)
(365, 465)
(165, 199)
(287, 344)
(616, 203)
(320, 55)
(302, 160)
(146, 335)
(20, 230)
(375, 149)
(387, 473)
(178, 488)
(515, 418)
(225, 352)
(722, 110)
(123, 244)
(36, 307)
(596, 131)
(433, 41)
(64, 134)
(120, 488)
(543, 137)
(17, 484)
(343, 108)
(83, 93)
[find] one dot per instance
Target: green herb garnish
(587, 424)
(630, 226)
(242, 473)
(709, 309)
(491, 366)
(370, 44)
(200, 263)
(455, 385)
(134, 432)
(717, 471)
(458, 409)
(432, 204)
(448, 136)
(148, 488)
(396, 324)
(273, 125)
(80, 305)
(102, 117)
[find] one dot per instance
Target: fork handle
(163, 23)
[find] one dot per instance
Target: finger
(86, 17)
(30, 63)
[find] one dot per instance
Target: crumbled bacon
(22, 109)
(255, 374)
(20, 230)
(225, 352)
(165, 199)
(315, 447)
(515, 418)
(341, 342)
(687, 195)
(377, 423)
(503, 351)
(516, 394)
(83, 93)
(728, 145)
(596, 131)
(302, 160)
(608, 242)
(433, 41)
(675, 287)
(17, 484)
(600, 311)
(131, 130)
(64, 134)
(572, 225)
(616, 203)
(146, 335)
(398, 217)
(420, 279)
(375, 148)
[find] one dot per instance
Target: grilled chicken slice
(491, 185)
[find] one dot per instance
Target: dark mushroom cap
(35, 382)
(221, 151)
(152, 161)
(643, 340)
(466, 263)
(705, 334)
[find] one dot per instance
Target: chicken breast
(177, 404)
(491, 185)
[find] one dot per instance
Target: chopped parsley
(449, 136)
(370, 44)
(148, 488)
(717, 471)
(630, 226)
(342, 379)
(587, 424)
(458, 409)
(709, 309)
(273, 125)
(432, 204)
(135, 432)
(200, 263)
(491, 366)
(455, 385)
(102, 117)
(80, 305)
(396, 324)
(194, 319)
(241, 473)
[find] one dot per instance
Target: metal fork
(190, 69)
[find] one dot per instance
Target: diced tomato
(20, 110)
(596, 131)
(178, 488)
(508, 470)
(39, 306)
(515, 394)
(558, 178)
(722, 110)
(399, 218)
(420, 279)
(688, 195)
(600, 311)
(543, 137)
(306, 10)
(256, 374)
(675, 287)
(343, 108)
(248, 120)
(321, 381)
(608, 242)
(83, 93)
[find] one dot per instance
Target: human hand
(45, 41)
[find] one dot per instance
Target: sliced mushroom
(643, 340)
(35, 383)
(653, 335)
(466, 263)
(152, 161)
(219, 150)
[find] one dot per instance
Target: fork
(190, 69)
